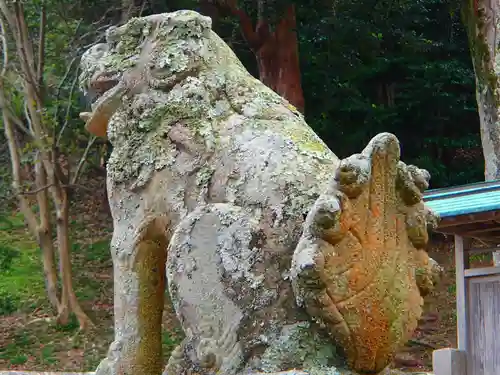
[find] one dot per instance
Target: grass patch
(22, 283)
(31, 338)
(48, 355)
(97, 259)
(97, 251)
(8, 303)
(17, 352)
(7, 255)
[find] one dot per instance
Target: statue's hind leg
(204, 252)
(139, 276)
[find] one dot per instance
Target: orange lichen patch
(358, 277)
(374, 318)
(374, 336)
(343, 257)
(375, 211)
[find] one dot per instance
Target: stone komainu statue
(278, 255)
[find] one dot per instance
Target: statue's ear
(95, 125)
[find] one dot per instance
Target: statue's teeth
(85, 116)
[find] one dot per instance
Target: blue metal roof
(466, 199)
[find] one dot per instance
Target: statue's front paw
(366, 267)
(353, 175)
(428, 274)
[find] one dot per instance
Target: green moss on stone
(299, 347)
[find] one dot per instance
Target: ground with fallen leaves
(30, 339)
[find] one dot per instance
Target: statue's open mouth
(105, 91)
(101, 84)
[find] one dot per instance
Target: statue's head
(146, 53)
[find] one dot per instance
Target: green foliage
(7, 255)
(170, 340)
(72, 326)
(5, 175)
(9, 301)
(402, 67)
(21, 283)
(367, 67)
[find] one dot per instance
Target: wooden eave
(471, 211)
(484, 226)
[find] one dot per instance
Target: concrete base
(449, 361)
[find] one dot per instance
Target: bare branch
(7, 14)
(143, 5)
(5, 49)
(16, 120)
(74, 38)
(4, 106)
(129, 11)
(48, 186)
(15, 161)
(61, 84)
(41, 46)
(83, 160)
(3, 102)
(105, 15)
(27, 116)
(68, 109)
(100, 34)
(38, 190)
(24, 47)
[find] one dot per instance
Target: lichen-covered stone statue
(278, 255)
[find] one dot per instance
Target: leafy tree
(36, 121)
(398, 66)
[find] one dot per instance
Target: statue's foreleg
(204, 253)
(139, 271)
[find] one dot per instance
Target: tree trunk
(482, 21)
(278, 59)
(277, 53)
(44, 235)
(69, 301)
